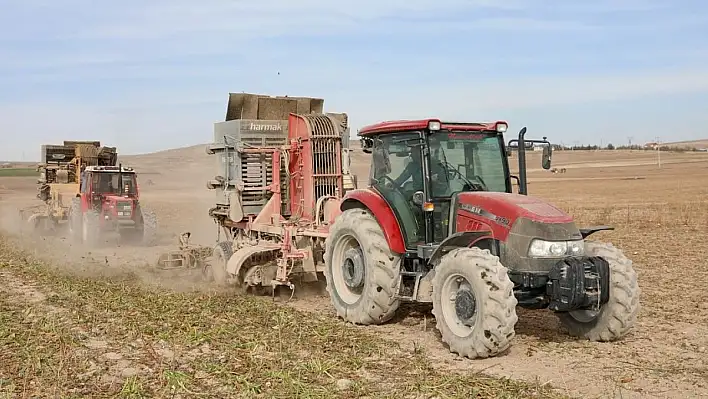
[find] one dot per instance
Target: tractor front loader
(438, 223)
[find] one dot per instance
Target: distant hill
(689, 144)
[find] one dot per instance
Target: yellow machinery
(60, 179)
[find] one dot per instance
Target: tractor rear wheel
(148, 228)
(616, 317)
(474, 303)
(362, 272)
(216, 270)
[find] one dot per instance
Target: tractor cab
(103, 186)
(419, 167)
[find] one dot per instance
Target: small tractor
(438, 224)
(81, 183)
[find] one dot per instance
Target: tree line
(610, 146)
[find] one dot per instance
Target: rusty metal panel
(276, 108)
(263, 107)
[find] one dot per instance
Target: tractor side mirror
(418, 198)
(546, 158)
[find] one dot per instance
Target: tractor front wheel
(362, 272)
(474, 303)
(616, 317)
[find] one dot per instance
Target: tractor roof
(108, 169)
(419, 124)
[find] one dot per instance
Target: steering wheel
(391, 185)
(452, 171)
(481, 181)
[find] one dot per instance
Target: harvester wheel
(91, 229)
(361, 271)
(216, 270)
(474, 303)
(616, 317)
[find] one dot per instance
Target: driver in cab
(414, 169)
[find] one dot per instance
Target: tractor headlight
(555, 249)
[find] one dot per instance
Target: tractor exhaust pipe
(523, 187)
(545, 162)
(120, 177)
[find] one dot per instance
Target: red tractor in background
(438, 224)
(108, 201)
(82, 183)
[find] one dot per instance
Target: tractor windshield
(109, 183)
(473, 162)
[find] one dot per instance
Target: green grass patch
(18, 172)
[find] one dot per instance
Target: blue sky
(150, 75)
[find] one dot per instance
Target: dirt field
(97, 328)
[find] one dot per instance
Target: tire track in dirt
(105, 357)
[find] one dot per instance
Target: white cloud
(172, 118)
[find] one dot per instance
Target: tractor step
(410, 275)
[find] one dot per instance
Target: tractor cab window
(472, 162)
(109, 183)
(397, 173)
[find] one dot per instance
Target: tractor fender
(377, 205)
(458, 240)
(236, 261)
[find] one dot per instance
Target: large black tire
(373, 268)
(215, 271)
(485, 296)
(91, 229)
(617, 317)
(148, 230)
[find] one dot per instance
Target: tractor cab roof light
(434, 125)
(502, 127)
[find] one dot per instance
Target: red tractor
(446, 228)
(438, 224)
(108, 201)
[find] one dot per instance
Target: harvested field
(104, 322)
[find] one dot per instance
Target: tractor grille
(124, 209)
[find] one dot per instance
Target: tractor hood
(505, 208)
(515, 220)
